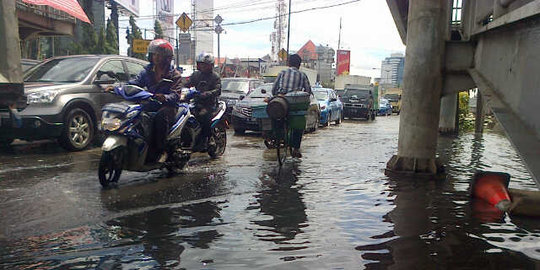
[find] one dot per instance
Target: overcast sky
(368, 28)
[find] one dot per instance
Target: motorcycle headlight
(41, 97)
(111, 124)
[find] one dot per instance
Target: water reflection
(282, 206)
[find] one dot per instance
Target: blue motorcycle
(128, 127)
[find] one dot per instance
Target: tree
(158, 31)
(90, 39)
(111, 38)
(135, 33)
(101, 46)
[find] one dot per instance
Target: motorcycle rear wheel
(218, 142)
(110, 167)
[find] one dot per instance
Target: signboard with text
(343, 62)
(140, 45)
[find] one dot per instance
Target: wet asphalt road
(332, 209)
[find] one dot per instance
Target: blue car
(385, 108)
(331, 106)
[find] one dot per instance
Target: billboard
(130, 5)
(165, 16)
(343, 62)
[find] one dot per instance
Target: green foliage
(158, 30)
(111, 38)
(135, 33)
(466, 123)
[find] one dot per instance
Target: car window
(235, 86)
(114, 69)
(134, 69)
(63, 70)
(321, 95)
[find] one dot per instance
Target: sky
(368, 29)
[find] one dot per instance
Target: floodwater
(334, 209)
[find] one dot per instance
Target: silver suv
(63, 97)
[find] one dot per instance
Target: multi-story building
(392, 70)
(204, 23)
(320, 58)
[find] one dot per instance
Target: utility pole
(218, 20)
(339, 38)
(11, 81)
(289, 31)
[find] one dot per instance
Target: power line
(293, 12)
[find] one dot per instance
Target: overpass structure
(457, 45)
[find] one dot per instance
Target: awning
(71, 7)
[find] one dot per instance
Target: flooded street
(334, 209)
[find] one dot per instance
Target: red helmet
(161, 46)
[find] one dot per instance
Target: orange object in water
(493, 188)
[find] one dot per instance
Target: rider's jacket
(206, 82)
(146, 78)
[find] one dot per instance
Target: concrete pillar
(11, 86)
(419, 123)
(447, 120)
(480, 115)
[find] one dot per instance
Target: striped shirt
(290, 80)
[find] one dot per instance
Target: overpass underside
(492, 45)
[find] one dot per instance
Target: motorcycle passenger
(289, 80)
(208, 83)
(160, 54)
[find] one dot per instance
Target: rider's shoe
(296, 153)
(162, 158)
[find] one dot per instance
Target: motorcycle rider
(160, 54)
(208, 83)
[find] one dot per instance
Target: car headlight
(111, 124)
(41, 97)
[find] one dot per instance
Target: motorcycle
(128, 128)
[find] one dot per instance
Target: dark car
(242, 118)
(358, 103)
(234, 88)
(63, 99)
(26, 64)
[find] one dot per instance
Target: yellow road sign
(140, 45)
(184, 22)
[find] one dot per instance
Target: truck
(343, 80)
(271, 73)
(394, 97)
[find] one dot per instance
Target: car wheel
(328, 117)
(78, 130)
(5, 143)
(338, 121)
(239, 131)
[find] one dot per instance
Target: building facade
(204, 25)
(392, 70)
(320, 58)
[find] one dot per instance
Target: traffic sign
(140, 45)
(219, 29)
(184, 22)
(218, 19)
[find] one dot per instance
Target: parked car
(331, 106)
(385, 108)
(242, 119)
(232, 89)
(358, 103)
(64, 96)
(26, 64)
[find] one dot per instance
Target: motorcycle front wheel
(218, 142)
(110, 167)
